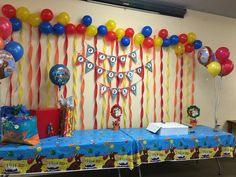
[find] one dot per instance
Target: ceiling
(219, 7)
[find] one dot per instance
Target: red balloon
(110, 36)
(183, 38)
(129, 32)
(81, 28)
(226, 68)
(9, 11)
(189, 48)
(5, 28)
(46, 15)
(163, 33)
(148, 42)
(222, 54)
(70, 28)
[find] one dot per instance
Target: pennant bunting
(130, 75)
(90, 50)
(99, 71)
(124, 92)
(122, 60)
(101, 57)
(149, 66)
(140, 71)
(133, 56)
(114, 92)
(103, 89)
(110, 75)
(120, 77)
(112, 60)
(89, 66)
(80, 59)
(133, 89)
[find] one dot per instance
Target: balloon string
(103, 97)
(124, 105)
(142, 91)
(186, 69)
(95, 109)
(56, 62)
(154, 84)
(176, 87)
(82, 86)
(167, 85)
(129, 94)
(49, 49)
(181, 89)
(30, 72)
(147, 91)
(39, 53)
(75, 83)
(193, 79)
(218, 87)
(65, 62)
(161, 84)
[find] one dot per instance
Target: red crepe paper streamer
(193, 79)
(161, 83)
(11, 86)
(142, 91)
(154, 83)
(181, 89)
(176, 86)
(30, 72)
(65, 62)
(129, 94)
(95, 108)
(39, 53)
(117, 70)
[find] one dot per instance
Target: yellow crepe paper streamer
(147, 90)
(75, 73)
(186, 100)
(124, 100)
(21, 64)
(167, 85)
(49, 51)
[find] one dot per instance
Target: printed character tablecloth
(204, 143)
(86, 149)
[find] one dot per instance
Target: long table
(106, 149)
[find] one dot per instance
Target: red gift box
(47, 118)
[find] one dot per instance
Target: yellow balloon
(214, 68)
(120, 33)
(179, 49)
(34, 19)
(191, 37)
(91, 31)
(63, 18)
(158, 41)
(138, 38)
(22, 13)
(111, 25)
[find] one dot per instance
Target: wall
(213, 30)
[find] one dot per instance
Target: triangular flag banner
(103, 89)
(89, 66)
(133, 56)
(130, 75)
(133, 89)
(80, 59)
(122, 60)
(112, 60)
(90, 50)
(101, 57)
(140, 71)
(120, 77)
(114, 92)
(110, 75)
(149, 66)
(124, 92)
(99, 71)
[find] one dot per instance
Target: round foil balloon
(204, 55)
(7, 64)
(59, 75)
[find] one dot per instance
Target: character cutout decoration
(116, 112)
(193, 112)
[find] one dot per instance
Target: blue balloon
(174, 39)
(16, 24)
(125, 41)
(58, 29)
(87, 20)
(197, 44)
(102, 30)
(147, 31)
(45, 28)
(166, 42)
(59, 75)
(15, 49)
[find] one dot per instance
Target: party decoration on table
(116, 113)
(7, 64)
(193, 112)
(5, 28)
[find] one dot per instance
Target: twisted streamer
(10, 85)
(186, 73)
(117, 70)
(49, 50)
(167, 85)
(181, 89)
(176, 86)
(39, 53)
(161, 84)
(129, 94)
(142, 91)
(30, 72)
(56, 62)
(147, 90)
(193, 79)
(65, 62)
(75, 75)
(95, 108)
(154, 83)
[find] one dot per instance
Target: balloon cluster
(217, 63)
(10, 51)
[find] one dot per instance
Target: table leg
(219, 166)
(119, 173)
(139, 171)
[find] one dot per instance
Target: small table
(231, 124)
